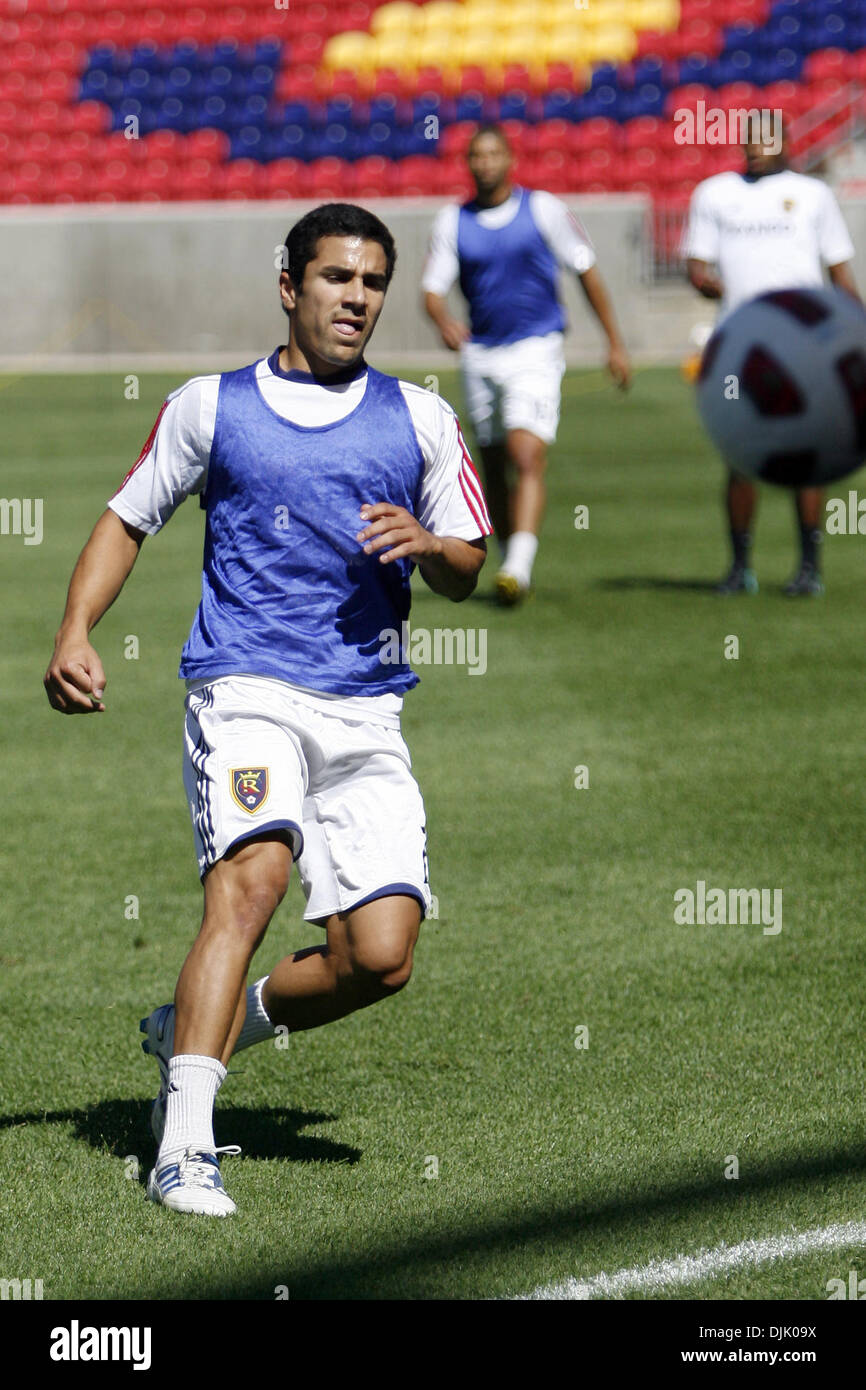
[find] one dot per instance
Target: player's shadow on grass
(658, 581)
(122, 1128)
(415, 1266)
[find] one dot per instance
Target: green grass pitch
(556, 908)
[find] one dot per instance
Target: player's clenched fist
(394, 527)
(75, 680)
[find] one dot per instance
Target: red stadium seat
(206, 144)
(552, 135)
(826, 63)
(455, 138)
(286, 178)
(643, 131)
(598, 132)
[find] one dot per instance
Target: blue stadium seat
(694, 68)
(744, 36)
(296, 113)
(471, 107)
(384, 108)
(513, 106)
(247, 143)
(561, 104)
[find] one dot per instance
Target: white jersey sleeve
(701, 241)
(442, 265)
(175, 458)
(564, 233)
(834, 240)
(452, 501)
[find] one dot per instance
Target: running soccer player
(506, 246)
(324, 484)
(765, 229)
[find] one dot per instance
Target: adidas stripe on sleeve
(452, 501)
(174, 460)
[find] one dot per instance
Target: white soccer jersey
(174, 462)
(765, 234)
(563, 233)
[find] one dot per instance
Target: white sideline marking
(685, 1269)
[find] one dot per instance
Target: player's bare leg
(242, 891)
(368, 956)
(527, 455)
(807, 582)
(741, 499)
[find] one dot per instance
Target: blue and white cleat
(192, 1182)
(158, 1029)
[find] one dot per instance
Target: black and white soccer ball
(782, 387)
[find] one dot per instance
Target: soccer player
(767, 228)
(324, 483)
(506, 246)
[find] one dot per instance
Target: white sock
(257, 1026)
(520, 555)
(192, 1086)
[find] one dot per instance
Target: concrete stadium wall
(193, 286)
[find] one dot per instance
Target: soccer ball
(782, 387)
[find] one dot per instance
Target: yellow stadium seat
(519, 46)
(614, 45)
(432, 50)
(442, 15)
(564, 45)
(399, 17)
(660, 15)
(476, 49)
(395, 50)
(525, 16)
(487, 17)
(352, 49)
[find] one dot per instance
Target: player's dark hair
(491, 128)
(334, 219)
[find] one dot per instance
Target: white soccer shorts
(342, 790)
(514, 387)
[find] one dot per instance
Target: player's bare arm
(449, 566)
(75, 679)
(451, 330)
(599, 301)
(842, 277)
(704, 278)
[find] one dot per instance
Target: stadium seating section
(353, 98)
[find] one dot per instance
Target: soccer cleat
(192, 1182)
(738, 580)
(509, 590)
(159, 1043)
(807, 583)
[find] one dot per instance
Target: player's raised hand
(75, 680)
(619, 366)
(396, 532)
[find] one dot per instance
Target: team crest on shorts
(250, 787)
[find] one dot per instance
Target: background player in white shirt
(324, 483)
(506, 247)
(768, 228)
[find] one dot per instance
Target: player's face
(489, 160)
(341, 299)
(762, 158)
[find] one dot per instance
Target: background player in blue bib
(324, 483)
(506, 247)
